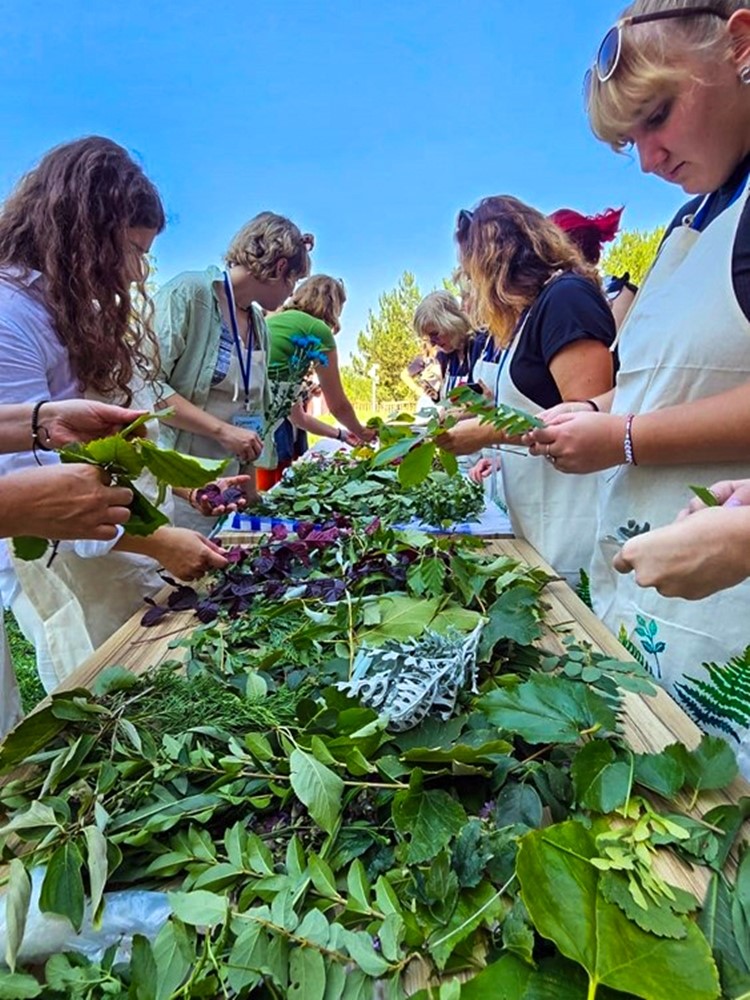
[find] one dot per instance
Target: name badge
(249, 422)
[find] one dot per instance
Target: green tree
(387, 343)
(634, 251)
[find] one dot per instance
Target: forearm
(312, 425)
(604, 401)
(344, 412)
(713, 429)
(15, 427)
(189, 417)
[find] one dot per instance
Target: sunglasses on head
(608, 56)
(465, 218)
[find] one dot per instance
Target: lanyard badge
(245, 363)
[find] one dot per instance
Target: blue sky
(368, 122)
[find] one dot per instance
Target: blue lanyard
(705, 208)
(247, 364)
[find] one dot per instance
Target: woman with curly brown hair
(214, 344)
(532, 287)
(74, 321)
(313, 313)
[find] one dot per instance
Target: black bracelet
(592, 404)
(36, 441)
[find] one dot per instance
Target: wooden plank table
(649, 723)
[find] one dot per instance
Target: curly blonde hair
(264, 241)
(320, 296)
(649, 67)
(509, 251)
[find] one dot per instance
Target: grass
(24, 663)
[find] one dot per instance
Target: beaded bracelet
(628, 442)
(36, 441)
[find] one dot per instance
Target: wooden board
(649, 723)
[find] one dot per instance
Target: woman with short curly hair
(214, 344)
(551, 323)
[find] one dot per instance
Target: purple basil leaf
(154, 615)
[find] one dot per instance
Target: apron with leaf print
(553, 511)
(685, 338)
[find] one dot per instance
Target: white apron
(553, 511)
(685, 338)
(225, 400)
(73, 606)
(488, 369)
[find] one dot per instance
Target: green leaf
(143, 971)
(17, 898)
(113, 679)
(715, 920)
(27, 548)
(663, 916)
(358, 888)
(512, 616)
(174, 955)
(317, 787)
(448, 461)
(362, 950)
(429, 819)
(322, 877)
(561, 891)
(401, 617)
(96, 849)
(199, 908)
(518, 804)
(548, 709)
(394, 451)
(113, 453)
(711, 765)
(482, 905)
(601, 781)
(505, 979)
(307, 975)
(662, 772)
(145, 518)
(180, 470)
(62, 888)
(705, 495)
(18, 986)
(416, 466)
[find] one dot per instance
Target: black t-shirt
(719, 201)
(568, 309)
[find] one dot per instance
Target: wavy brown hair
(509, 251)
(68, 218)
(320, 296)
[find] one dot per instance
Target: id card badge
(249, 422)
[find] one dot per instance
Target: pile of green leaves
(124, 457)
(360, 488)
(312, 854)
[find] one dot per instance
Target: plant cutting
(123, 457)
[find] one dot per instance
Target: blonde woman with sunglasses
(672, 80)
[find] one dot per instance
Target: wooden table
(649, 723)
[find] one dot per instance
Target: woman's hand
(691, 558)
(580, 442)
(204, 505)
(243, 444)
(83, 420)
(728, 493)
(185, 554)
(466, 437)
(479, 472)
(62, 501)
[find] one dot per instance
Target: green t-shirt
(290, 323)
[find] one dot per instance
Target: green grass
(24, 663)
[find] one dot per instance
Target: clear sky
(368, 122)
